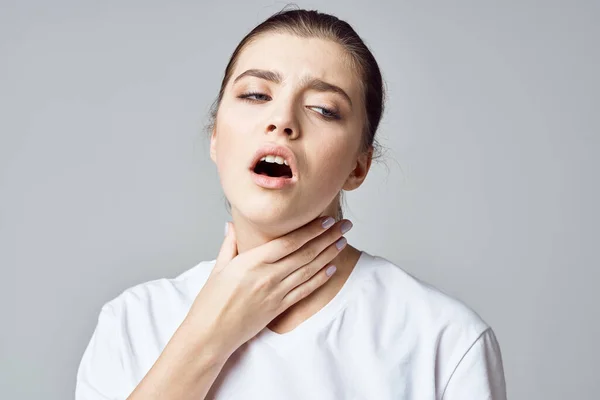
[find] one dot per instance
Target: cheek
(236, 110)
(229, 148)
(233, 132)
(332, 166)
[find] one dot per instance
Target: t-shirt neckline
(318, 319)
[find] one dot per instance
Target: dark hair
(314, 24)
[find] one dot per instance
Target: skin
(329, 159)
(290, 114)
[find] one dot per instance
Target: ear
(213, 145)
(360, 171)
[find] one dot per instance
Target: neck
(250, 234)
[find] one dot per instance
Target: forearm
(186, 369)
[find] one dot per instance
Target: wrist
(204, 343)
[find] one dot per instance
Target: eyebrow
(309, 82)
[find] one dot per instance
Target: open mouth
(273, 169)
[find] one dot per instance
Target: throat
(304, 309)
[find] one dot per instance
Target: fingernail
(346, 225)
(341, 243)
(328, 222)
(329, 271)
(226, 226)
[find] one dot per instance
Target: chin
(269, 207)
(274, 216)
(264, 209)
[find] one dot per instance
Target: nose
(292, 133)
(283, 122)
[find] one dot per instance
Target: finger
(311, 250)
(303, 290)
(278, 248)
(228, 248)
(300, 275)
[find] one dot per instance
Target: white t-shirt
(385, 335)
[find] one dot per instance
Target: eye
(248, 96)
(328, 113)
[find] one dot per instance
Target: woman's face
(270, 100)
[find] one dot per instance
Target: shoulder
(436, 325)
(430, 305)
(132, 329)
(157, 307)
(422, 315)
(163, 291)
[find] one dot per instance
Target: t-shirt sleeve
(101, 372)
(480, 374)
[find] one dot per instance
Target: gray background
(490, 190)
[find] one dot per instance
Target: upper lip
(276, 150)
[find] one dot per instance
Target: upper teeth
(274, 159)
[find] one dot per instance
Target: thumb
(228, 248)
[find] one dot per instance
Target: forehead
(295, 57)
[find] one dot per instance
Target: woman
(288, 309)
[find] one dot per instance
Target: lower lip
(269, 182)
